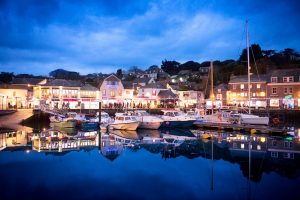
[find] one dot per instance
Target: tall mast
(249, 68)
(212, 86)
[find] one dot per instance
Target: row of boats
(142, 119)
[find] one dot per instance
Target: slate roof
(142, 80)
(280, 73)
(155, 85)
(26, 81)
(166, 94)
(88, 87)
(10, 86)
(244, 78)
(112, 77)
(127, 84)
(65, 83)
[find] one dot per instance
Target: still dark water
(161, 164)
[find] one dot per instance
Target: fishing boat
(124, 122)
(146, 120)
(173, 118)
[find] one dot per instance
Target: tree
(119, 74)
(6, 77)
(170, 67)
(190, 65)
(255, 52)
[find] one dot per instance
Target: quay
(241, 127)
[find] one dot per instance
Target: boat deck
(239, 127)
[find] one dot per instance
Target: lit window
(112, 93)
(258, 147)
(242, 146)
(258, 86)
(242, 94)
(254, 94)
(242, 86)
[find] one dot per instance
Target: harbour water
(148, 164)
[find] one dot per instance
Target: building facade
(59, 93)
(111, 91)
(238, 91)
(283, 88)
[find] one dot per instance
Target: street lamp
(2, 101)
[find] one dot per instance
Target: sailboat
(250, 118)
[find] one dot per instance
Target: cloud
(106, 35)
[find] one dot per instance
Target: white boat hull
(150, 125)
(255, 120)
(130, 126)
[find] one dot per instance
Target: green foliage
(6, 77)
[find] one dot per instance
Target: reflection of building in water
(241, 143)
(13, 139)
(2, 142)
(55, 141)
(283, 148)
(110, 147)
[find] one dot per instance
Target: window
(242, 86)
(274, 79)
(288, 144)
(274, 154)
(274, 90)
(112, 93)
(285, 90)
(242, 94)
(234, 86)
(242, 146)
(104, 92)
(258, 147)
(258, 86)
(234, 145)
(250, 86)
(254, 94)
(274, 143)
(288, 79)
(291, 90)
(219, 90)
(288, 155)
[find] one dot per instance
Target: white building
(111, 91)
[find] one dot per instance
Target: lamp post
(2, 102)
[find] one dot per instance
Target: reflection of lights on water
(27, 151)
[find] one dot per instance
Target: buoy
(253, 131)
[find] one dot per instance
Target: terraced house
(283, 89)
(238, 91)
(59, 93)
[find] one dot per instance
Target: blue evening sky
(37, 36)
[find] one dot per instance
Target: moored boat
(177, 119)
(146, 120)
(124, 122)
